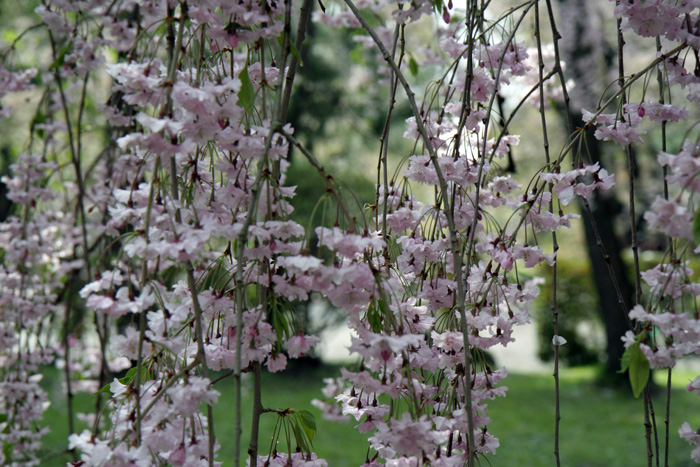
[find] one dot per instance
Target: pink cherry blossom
(300, 344)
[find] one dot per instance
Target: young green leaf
(300, 435)
(216, 276)
(384, 308)
(413, 66)
(293, 49)
(61, 56)
(279, 321)
(308, 423)
(104, 389)
(629, 351)
(246, 95)
(7, 450)
(627, 357)
(639, 370)
(374, 317)
(127, 379)
(696, 227)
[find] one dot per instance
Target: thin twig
(555, 246)
(672, 253)
(327, 178)
(383, 175)
(633, 227)
(304, 14)
(174, 49)
(606, 258)
(243, 236)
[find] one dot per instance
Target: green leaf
(384, 308)
(413, 66)
(300, 435)
(61, 56)
(374, 317)
(292, 48)
(246, 95)
(627, 357)
(7, 450)
(279, 321)
(295, 52)
(161, 29)
(696, 227)
(127, 379)
(129, 376)
(629, 351)
(216, 276)
(104, 389)
(308, 423)
(639, 371)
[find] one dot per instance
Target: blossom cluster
(410, 336)
(179, 239)
(667, 329)
(672, 285)
(36, 255)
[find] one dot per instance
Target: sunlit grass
(599, 426)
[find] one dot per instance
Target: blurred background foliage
(579, 320)
(338, 113)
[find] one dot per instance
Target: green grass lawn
(599, 426)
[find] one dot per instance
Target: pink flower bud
(233, 39)
(178, 456)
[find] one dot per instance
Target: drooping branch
(454, 242)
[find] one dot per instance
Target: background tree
(589, 59)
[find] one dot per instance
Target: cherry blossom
(183, 225)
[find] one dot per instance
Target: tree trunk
(604, 210)
(588, 61)
(5, 204)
